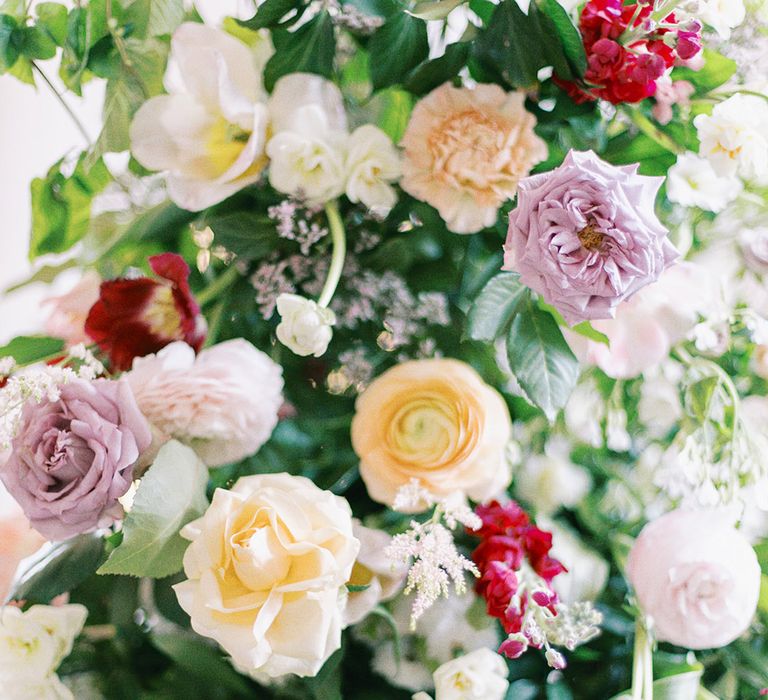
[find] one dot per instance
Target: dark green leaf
(396, 49)
(540, 359)
(202, 660)
(430, 74)
(28, 349)
(9, 50)
(86, 26)
(270, 13)
(60, 570)
(569, 35)
(250, 236)
(310, 49)
(495, 306)
(37, 43)
(52, 17)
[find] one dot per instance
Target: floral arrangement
(417, 349)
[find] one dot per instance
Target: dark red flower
(137, 317)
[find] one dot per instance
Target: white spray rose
(479, 675)
(209, 132)
(372, 163)
(721, 15)
(733, 138)
(693, 182)
(305, 327)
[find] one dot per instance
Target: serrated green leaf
(60, 569)
(431, 74)
(310, 49)
(27, 349)
(540, 359)
(396, 49)
(492, 311)
(170, 494)
(9, 51)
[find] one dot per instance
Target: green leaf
(60, 570)
(9, 50)
(569, 35)
(698, 398)
(52, 17)
(310, 49)
(37, 43)
(681, 686)
(762, 603)
(434, 9)
(27, 349)
(540, 359)
(170, 494)
(492, 311)
(270, 13)
(61, 206)
(430, 74)
(154, 17)
(716, 71)
(86, 26)
(584, 328)
(397, 48)
(395, 111)
(249, 235)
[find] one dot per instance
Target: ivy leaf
(430, 74)
(540, 359)
(27, 349)
(9, 51)
(171, 494)
(52, 17)
(310, 49)
(495, 306)
(61, 569)
(397, 48)
(154, 17)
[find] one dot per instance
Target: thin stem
(219, 285)
(339, 241)
(652, 131)
(63, 103)
(642, 663)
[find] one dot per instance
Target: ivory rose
(267, 569)
(305, 327)
(466, 150)
(479, 675)
(435, 421)
(222, 403)
(697, 577)
(210, 131)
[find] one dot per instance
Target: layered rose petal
(136, 317)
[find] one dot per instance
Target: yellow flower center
(161, 314)
(591, 237)
(225, 144)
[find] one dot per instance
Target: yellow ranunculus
(435, 421)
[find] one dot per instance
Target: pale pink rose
(17, 540)
(697, 577)
(223, 403)
(650, 323)
(466, 150)
(69, 311)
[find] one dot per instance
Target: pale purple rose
(585, 236)
(73, 458)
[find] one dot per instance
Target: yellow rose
(267, 569)
(435, 421)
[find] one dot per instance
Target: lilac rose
(585, 236)
(73, 458)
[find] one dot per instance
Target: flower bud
(305, 327)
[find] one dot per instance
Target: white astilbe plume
(436, 562)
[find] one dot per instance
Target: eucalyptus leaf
(170, 494)
(540, 359)
(495, 306)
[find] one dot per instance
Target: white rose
(372, 163)
(305, 327)
(733, 137)
(721, 15)
(223, 403)
(693, 182)
(267, 572)
(209, 132)
(479, 675)
(374, 570)
(295, 91)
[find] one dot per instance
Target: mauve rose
(73, 458)
(697, 577)
(585, 236)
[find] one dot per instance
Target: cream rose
(466, 150)
(435, 421)
(697, 577)
(305, 327)
(222, 403)
(479, 675)
(267, 572)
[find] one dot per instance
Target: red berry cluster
(510, 540)
(627, 52)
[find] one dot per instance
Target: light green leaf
(540, 359)
(28, 349)
(52, 17)
(171, 494)
(584, 328)
(396, 49)
(716, 71)
(682, 686)
(154, 17)
(495, 306)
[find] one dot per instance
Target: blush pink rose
(697, 577)
(69, 311)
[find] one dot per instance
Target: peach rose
(69, 311)
(267, 569)
(466, 150)
(435, 421)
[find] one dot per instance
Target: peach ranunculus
(466, 150)
(435, 421)
(69, 311)
(267, 572)
(17, 540)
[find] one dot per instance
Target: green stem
(642, 663)
(219, 285)
(339, 241)
(214, 322)
(75, 119)
(652, 131)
